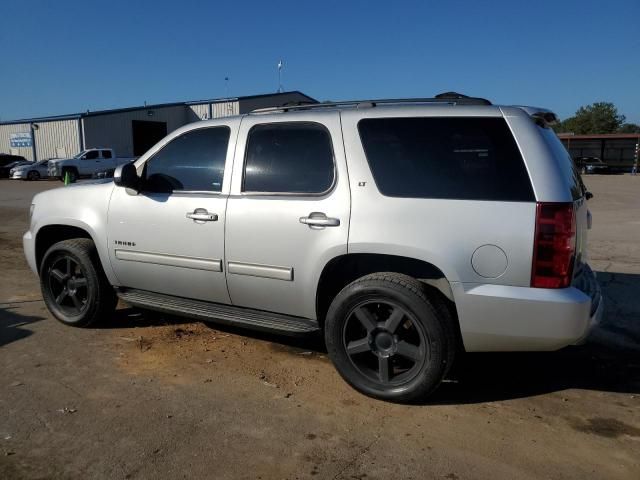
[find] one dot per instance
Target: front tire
(74, 286)
(388, 339)
(33, 175)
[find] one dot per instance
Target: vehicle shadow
(608, 362)
(134, 317)
(12, 325)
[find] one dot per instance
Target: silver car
(31, 171)
(404, 231)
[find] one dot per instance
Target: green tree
(599, 117)
(629, 128)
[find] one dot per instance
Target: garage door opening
(146, 135)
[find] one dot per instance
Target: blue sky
(68, 56)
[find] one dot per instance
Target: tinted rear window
(289, 158)
(452, 158)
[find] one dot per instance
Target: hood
(53, 161)
(75, 193)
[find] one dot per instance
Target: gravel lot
(158, 397)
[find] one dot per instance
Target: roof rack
(450, 98)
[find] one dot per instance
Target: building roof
(95, 113)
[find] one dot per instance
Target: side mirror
(588, 195)
(126, 176)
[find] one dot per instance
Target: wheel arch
(55, 232)
(344, 269)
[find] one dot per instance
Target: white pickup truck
(85, 164)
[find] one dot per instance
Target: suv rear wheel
(388, 339)
(73, 284)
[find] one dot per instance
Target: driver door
(89, 162)
(169, 237)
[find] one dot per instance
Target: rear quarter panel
(445, 233)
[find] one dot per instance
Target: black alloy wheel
(74, 286)
(68, 285)
(391, 337)
(384, 342)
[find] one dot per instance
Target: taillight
(554, 245)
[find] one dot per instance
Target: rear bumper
(504, 318)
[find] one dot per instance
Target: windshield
(80, 154)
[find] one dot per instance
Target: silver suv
(404, 230)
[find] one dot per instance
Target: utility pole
(226, 87)
(280, 65)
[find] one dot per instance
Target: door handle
(318, 220)
(201, 215)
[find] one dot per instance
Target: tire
(74, 286)
(33, 175)
(389, 338)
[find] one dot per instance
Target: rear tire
(390, 339)
(74, 286)
(33, 175)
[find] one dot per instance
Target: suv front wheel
(74, 287)
(388, 339)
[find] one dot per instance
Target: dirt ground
(158, 397)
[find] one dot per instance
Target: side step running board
(230, 315)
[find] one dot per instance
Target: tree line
(597, 118)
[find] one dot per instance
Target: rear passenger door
(288, 213)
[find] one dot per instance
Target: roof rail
(450, 98)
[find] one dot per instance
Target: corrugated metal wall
(57, 139)
(218, 109)
(5, 145)
(225, 109)
(201, 110)
(114, 130)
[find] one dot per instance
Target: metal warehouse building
(618, 150)
(129, 131)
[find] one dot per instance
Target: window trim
(189, 192)
(364, 152)
(331, 187)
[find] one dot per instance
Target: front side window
(92, 155)
(289, 158)
(191, 162)
(465, 158)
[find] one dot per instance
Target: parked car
(4, 171)
(6, 159)
(30, 171)
(403, 231)
(107, 173)
(592, 165)
(85, 164)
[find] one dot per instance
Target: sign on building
(18, 140)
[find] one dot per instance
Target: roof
(602, 136)
(72, 116)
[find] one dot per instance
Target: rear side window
(193, 161)
(451, 158)
(106, 153)
(288, 158)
